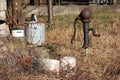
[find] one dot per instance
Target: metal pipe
(94, 32)
(86, 34)
(50, 11)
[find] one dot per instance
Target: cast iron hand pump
(85, 16)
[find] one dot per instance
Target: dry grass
(103, 62)
(103, 53)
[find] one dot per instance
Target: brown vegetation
(103, 62)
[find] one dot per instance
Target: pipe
(86, 34)
(94, 32)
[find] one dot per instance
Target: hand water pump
(85, 16)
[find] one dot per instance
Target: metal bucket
(35, 33)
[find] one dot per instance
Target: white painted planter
(18, 33)
(50, 65)
(35, 33)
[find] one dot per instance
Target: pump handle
(74, 34)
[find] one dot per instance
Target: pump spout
(94, 32)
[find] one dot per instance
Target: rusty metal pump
(85, 16)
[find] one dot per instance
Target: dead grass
(103, 62)
(102, 53)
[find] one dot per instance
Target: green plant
(53, 50)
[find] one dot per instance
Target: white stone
(3, 5)
(4, 30)
(2, 15)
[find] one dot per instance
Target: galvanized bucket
(35, 33)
